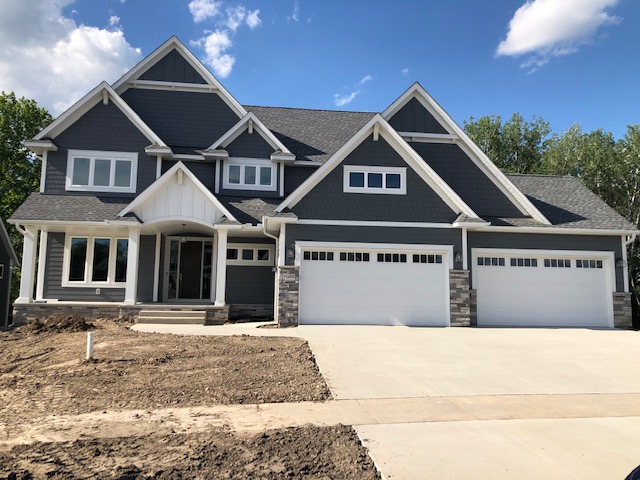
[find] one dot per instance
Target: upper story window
(364, 179)
(94, 171)
(249, 174)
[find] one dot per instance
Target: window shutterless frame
(377, 180)
(87, 265)
(249, 174)
(244, 254)
(101, 171)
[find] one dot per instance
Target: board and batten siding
(357, 234)
(530, 241)
(53, 288)
(103, 128)
(327, 200)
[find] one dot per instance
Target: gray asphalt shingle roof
(71, 208)
(312, 135)
(249, 209)
(566, 203)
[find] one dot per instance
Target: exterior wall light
(457, 258)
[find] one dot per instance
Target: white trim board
(174, 43)
(86, 103)
(468, 146)
(554, 230)
(409, 155)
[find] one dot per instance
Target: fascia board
(558, 230)
(85, 104)
(410, 156)
(235, 131)
(160, 182)
(122, 84)
(476, 154)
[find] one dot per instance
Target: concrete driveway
(391, 362)
(469, 403)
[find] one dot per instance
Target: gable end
(173, 67)
(413, 117)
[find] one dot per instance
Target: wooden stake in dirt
(89, 345)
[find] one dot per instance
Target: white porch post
(133, 255)
(221, 268)
(28, 264)
(156, 268)
(42, 260)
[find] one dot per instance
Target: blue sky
(567, 61)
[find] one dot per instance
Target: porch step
(182, 317)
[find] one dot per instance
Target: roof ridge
(309, 109)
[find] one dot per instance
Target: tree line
(608, 166)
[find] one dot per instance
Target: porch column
(29, 248)
(221, 268)
(42, 260)
(133, 254)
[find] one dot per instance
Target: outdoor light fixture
(183, 238)
(457, 257)
(619, 262)
(290, 252)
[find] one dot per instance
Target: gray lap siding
(146, 268)
(395, 235)
(5, 285)
(328, 201)
(53, 288)
(250, 284)
(507, 240)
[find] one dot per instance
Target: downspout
(276, 288)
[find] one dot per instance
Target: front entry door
(188, 269)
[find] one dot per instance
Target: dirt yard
(43, 374)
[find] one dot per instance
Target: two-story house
(163, 197)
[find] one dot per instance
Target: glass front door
(189, 269)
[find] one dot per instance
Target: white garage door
(374, 287)
(534, 288)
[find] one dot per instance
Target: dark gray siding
(53, 278)
(328, 201)
(182, 119)
(146, 268)
(250, 145)
(549, 242)
(402, 235)
(173, 68)
(249, 285)
(5, 285)
(466, 179)
(294, 176)
(104, 127)
(263, 240)
(205, 171)
(413, 117)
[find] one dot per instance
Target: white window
(249, 254)
(93, 171)
(249, 174)
(386, 180)
(91, 261)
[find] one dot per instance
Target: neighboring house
(162, 191)
(8, 260)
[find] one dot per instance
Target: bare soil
(44, 374)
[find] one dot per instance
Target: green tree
(515, 146)
(20, 119)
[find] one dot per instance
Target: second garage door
(379, 286)
(537, 288)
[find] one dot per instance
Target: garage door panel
(373, 292)
(543, 295)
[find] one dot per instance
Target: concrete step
(175, 317)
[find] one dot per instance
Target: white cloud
(59, 61)
(365, 79)
(342, 100)
(253, 20)
(405, 71)
(114, 20)
(203, 9)
(295, 15)
(552, 28)
(215, 44)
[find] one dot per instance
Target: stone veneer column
(622, 316)
(460, 298)
(288, 296)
